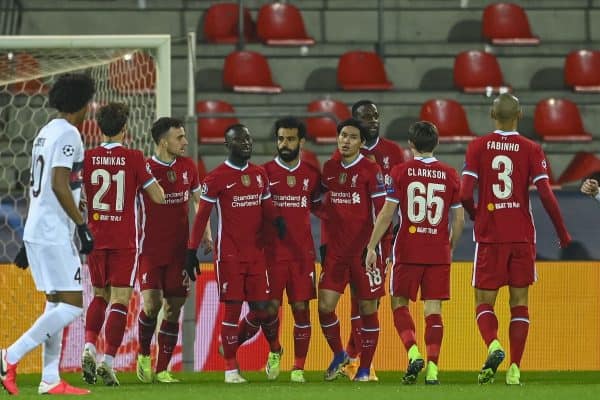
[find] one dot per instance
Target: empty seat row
(555, 120)
(282, 24)
(278, 24)
(474, 72)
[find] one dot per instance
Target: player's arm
(197, 235)
(467, 187)
(61, 186)
(155, 191)
(456, 226)
(551, 206)
(206, 242)
(384, 219)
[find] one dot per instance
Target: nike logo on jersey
(373, 290)
(231, 185)
(330, 178)
(273, 183)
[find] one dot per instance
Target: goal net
(131, 69)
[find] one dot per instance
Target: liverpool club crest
(291, 180)
(246, 180)
(171, 176)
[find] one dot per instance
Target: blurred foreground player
(502, 165)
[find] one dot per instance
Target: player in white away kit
(56, 163)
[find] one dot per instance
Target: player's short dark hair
(290, 123)
(162, 126)
(234, 127)
(364, 133)
(359, 104)
(112, 118)
(424, 136)
(71, 92)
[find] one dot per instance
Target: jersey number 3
(103, 178)
(504, 165)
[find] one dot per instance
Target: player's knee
(367, 307)
(120, 295)
(260, 306)
(299, 306)
(432, 307)
(326, 306)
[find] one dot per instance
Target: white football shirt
(58, 144)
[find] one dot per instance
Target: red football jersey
(294, 191)
(238, 194)
(112, 176)
(425, 189)
(166, 226)
(350, 209)
(505, 164)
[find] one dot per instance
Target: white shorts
(55, 268)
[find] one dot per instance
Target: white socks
(51, 353)
(50, 323)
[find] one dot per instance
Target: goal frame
(158, 45)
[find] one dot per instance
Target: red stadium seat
(133, 74)
(280, 24)
(323, 129)
(221, 24)
(507, 23)
(478, 72)
(450, 119)
(559, 120)
(248, 71)
(212, 129)
(582, 70)
(583, 165)
(362, 70)
(15, 66)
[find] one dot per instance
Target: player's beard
(290, 155)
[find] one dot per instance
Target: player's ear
(302, 141)
(492, 114)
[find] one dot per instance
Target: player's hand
(590, 187)
(370, 258)
(395, 230)
(21, 260)
(86, 239)
(279, 223)
(82, 204)
(565, 240)
(192, 264)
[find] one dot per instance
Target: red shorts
(297, 277)
(343, 270)
(113, 267)
(242, 281)
(434, 281)
(168, 277)
(501, 264)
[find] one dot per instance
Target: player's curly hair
(364, 133)
(71, 92)
(162, 126)
(290, 123)
(424, 136)
(112, 118)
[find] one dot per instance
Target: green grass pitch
(454, 385)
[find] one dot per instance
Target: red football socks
(302, 332)
(369, 339)
(487, 323)
(405, 326)
(94, 319)
(330, 325)
(517, 331)
(434, 332)
(115, 328)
